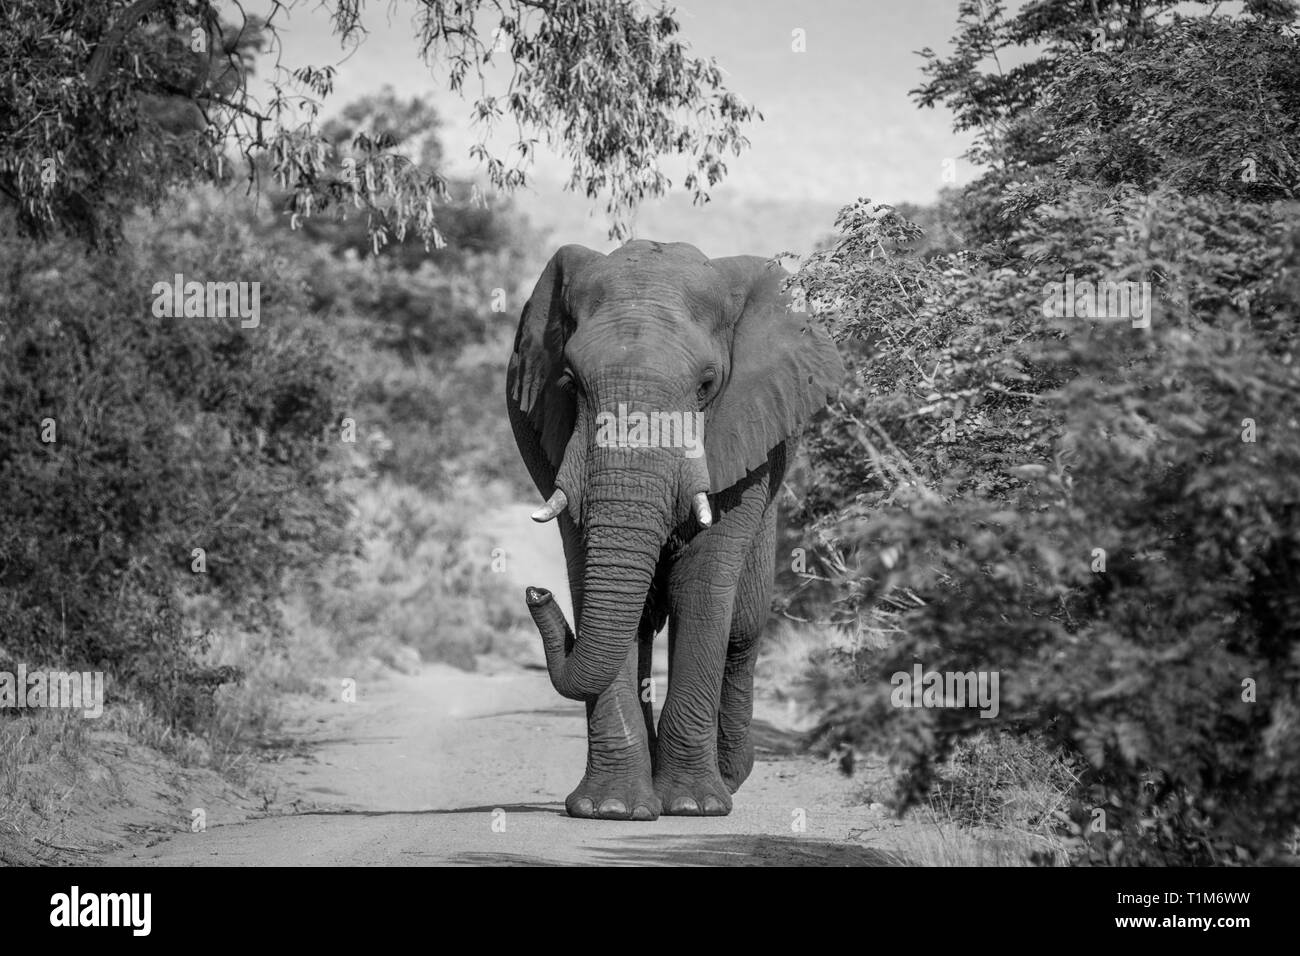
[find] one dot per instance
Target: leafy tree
(1191, 103)
(110, 103)
(106, 106)
(471, 224)
(1106, 516)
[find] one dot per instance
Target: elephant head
(607, 346)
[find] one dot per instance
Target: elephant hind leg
(749, 616)
(651, 623)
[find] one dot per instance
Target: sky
(839, 123)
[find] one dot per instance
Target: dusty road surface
(448, 767)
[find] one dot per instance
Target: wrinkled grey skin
(659, 327)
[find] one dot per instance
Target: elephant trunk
(630, 475)
(557, 636)
(623, 538)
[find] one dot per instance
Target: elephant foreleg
(618, 783)
(702, 590)
(686, 762)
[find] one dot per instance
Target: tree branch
(98, 65)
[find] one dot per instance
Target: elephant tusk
(701, 506)
(554, 505)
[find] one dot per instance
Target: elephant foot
(735, 761)
(611, 797)
(692, 795)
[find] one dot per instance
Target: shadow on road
(773, 741)
(554, 808)
(706, 850)
(576, 710)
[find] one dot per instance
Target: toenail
(613, 807)
(685, 805)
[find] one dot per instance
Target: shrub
(1107, 517)
(171, 434)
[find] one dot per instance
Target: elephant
(666, 525)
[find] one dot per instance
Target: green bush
(1107, 517)
(171, 434)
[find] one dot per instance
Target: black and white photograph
(622, 433)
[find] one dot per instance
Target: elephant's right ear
(541, 412)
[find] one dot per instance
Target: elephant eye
(706, 384)
(565, 381)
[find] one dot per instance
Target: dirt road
(447, 767)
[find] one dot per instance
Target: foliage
(182, 433)
(167, 435)
(426, 342)
(1105, 515)
(106, 106)
(472, 225)
(111, 103)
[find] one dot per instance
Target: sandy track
(420, 767)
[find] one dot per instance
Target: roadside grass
(997, 798)
(786, 666)
(951, 844)
(58, 767)
(37, 747)
(998, 801)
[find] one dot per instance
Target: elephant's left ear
(783, 369)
